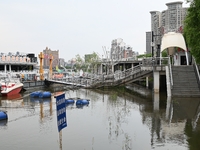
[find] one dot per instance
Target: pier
(157, 69)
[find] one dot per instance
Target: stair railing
(197, 70)
(170, 72)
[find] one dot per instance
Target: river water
(118, 119)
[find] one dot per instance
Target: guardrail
(170, 73)
(197, 70)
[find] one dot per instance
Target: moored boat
(10, 86)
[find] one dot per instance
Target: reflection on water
(120, 119)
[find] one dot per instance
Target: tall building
(148, 42)
(61, 62)
(169, 20)
(47, 52)
(117, 47)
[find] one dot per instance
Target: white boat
(10, 85)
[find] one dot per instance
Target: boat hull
(11, 91)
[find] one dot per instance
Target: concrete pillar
(168, 108)
(101, 68)
(124, 67)
(5, 68)
(132, 65)
(156, 81)
(147, 81)
(113, 68)
(9, 67)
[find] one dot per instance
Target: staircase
(184, 82)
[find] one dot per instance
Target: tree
(192, 29)
(79, 62)
(92, 60)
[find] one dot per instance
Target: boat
(10, 86)
(3, 115)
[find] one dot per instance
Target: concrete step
(185, 82)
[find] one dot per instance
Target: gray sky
(75, 26)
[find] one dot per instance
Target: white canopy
(171, 40)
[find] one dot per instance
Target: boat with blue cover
(3, 115)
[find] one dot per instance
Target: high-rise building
(169, 20)
(117, 47)
(148, 42)
(119, 50)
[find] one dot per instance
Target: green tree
(144, 55)
(92, 61)
(79, 62)
(192, 29)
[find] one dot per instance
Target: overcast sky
(75, 26)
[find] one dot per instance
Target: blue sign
(61, 112)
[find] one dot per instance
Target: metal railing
(197, 71)
(119, 77)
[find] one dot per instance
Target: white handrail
(170, 71)
(196, 68)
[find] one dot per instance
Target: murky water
(114, 120)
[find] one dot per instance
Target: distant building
(55, 53)
(61, 62)
(119, 50)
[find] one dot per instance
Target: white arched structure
(171, 40)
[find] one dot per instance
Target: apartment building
(119, 50)
(169, 20)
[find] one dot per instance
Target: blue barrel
(3, 115)
(35, 94)
(45, 95)
(69, 101)
(82, 102)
